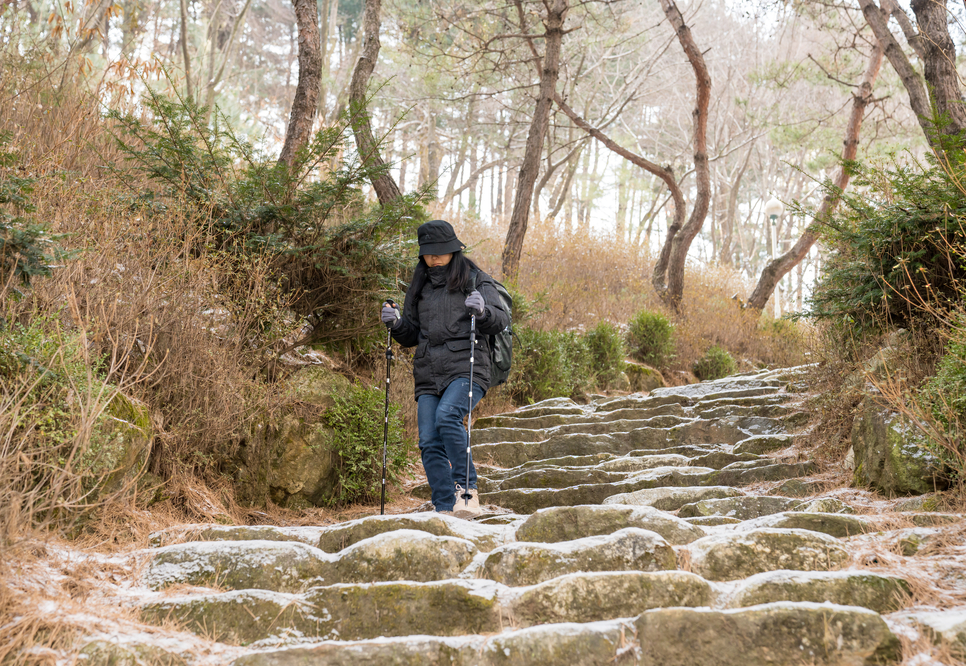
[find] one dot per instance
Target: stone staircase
(670, 528)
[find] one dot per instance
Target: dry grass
(576, 282)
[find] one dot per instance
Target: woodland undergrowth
(175, 266)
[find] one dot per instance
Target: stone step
(528, 500)
(576, 522)
(552, 420)
(484, 537)
(833, 524)
(523, 563)
(496, 449)
(345, 612)
(822, 635)
(772, 634)
(593, 597)
(742, 508)
(672, 499)
(737, 555)
(877, 592)
(402, 554)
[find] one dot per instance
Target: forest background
(204, 204)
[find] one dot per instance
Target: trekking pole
(385, 430)
(469, 417)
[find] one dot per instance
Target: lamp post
(774, 209)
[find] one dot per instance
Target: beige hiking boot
(464, 509)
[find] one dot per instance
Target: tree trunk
(664, 173)
(911, 81)
(306, 103)
(777, 268)
(382, 182)
(214, 80)
(680, 243)
(939, 65)
(728, 230)
(185, 53)
(513, 247)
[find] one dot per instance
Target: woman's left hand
(475, 302)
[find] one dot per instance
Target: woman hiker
(446, 287)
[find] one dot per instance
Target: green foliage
(26, 248)
(607, 353)
(714, 364)
(358, 422)
(331, 253)
(547, 364)
(650, 338)
(943, 397)
(899, 247)
(67, 429)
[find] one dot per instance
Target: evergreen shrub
(943, 399)
(26, 247)
(650, 337)
(547, 364)
(358, 423)
(607, 353)
(333, 254)
(715, 364)
(898, 245)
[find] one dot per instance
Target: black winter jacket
(436, 322)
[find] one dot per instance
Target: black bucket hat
(438, 237)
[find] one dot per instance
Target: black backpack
(501, 344)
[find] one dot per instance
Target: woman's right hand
(390, 315)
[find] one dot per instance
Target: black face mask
(437, 275)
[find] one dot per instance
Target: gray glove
(475, 302)
(390, 315)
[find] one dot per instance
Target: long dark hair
(457, 277)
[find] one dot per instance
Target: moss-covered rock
(559, 477)
(557, 524)
(928, 502)
(798, 488)
(484, 537)
(825, 505)
(877, 592)
(126, 653)
(888, 454)
(946, 628)
(742, 508)
(119, 447)
(451, 608)
(643, 378)
(672, 499)
(404, 555)
(737, 474)
(589, 597)
(712, 521)
(834, 524)
(640, 463)
(240, 565)
(911, 541)
(406, 651)
(760, 444)
(290, 461)
(203, 532)
(238, 617)
(629, 549)
(771, 634)
(742, 554)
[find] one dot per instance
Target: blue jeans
(442, 440)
